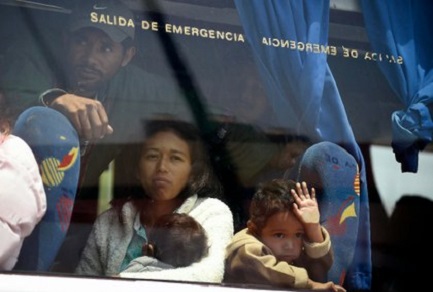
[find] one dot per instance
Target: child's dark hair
(270, 198)
(177, 239)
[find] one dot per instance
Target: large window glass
(217, 98)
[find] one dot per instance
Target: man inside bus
(78, 101)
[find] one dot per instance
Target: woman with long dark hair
(173, 175)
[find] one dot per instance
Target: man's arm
(27, 75)
(87, 115)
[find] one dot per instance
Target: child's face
(283, 234)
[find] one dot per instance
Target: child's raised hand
(305, 206)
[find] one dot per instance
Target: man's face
(93, 59)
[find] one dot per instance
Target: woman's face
(165, 166)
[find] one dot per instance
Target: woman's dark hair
(271, 197)
(177, 239)
(202, 181)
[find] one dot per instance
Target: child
(176, 240)
(284, 244)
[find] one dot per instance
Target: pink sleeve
(22, 198)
